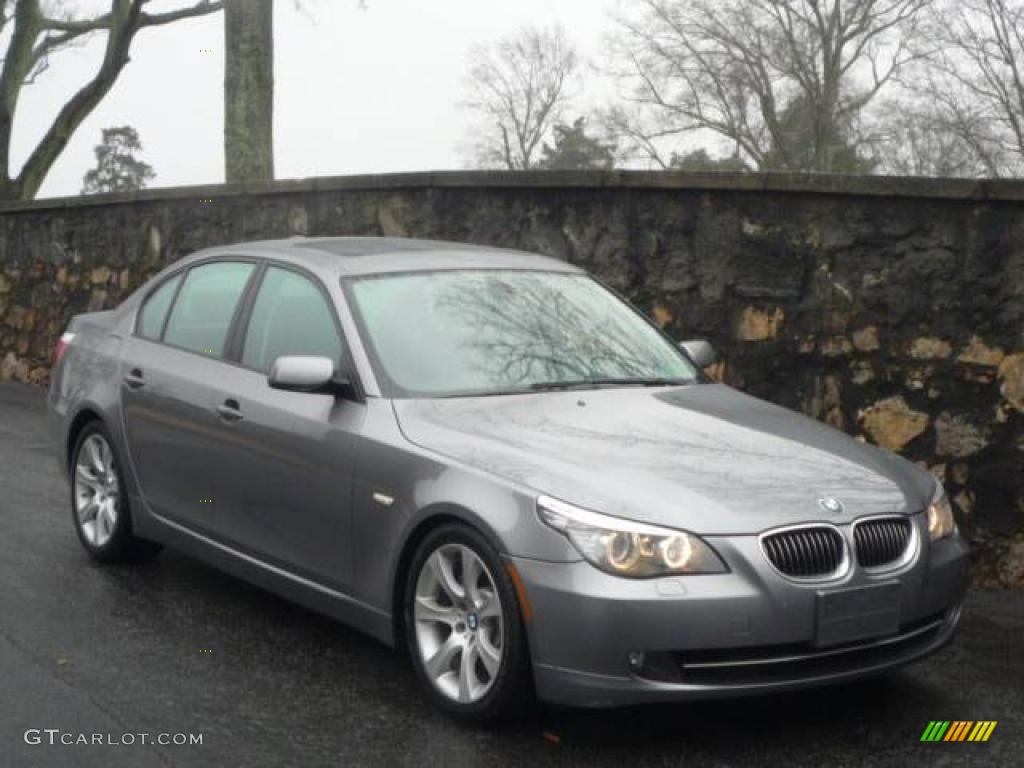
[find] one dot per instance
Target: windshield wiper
(607, 382)
(555, 386)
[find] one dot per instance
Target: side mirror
(700, 351)
(301, 373)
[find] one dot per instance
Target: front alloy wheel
(463, 627)
(459, 623)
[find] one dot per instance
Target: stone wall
(890, 308)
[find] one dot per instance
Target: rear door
(285, 458)
(171, 367)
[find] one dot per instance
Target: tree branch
(18, 63)
(201, 8)
(25, 56)
(123, 26)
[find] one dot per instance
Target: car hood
(703, 457)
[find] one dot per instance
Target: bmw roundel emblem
(830, 505)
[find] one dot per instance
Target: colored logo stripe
(958, 730)
(935, 730)
(982, 730)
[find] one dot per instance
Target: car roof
(381, 255)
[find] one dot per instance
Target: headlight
(625, 548)
(940, 516)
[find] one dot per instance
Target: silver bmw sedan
(491, 460)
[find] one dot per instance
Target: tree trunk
(249, 90)
(10, 189)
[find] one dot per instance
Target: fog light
(636, 661)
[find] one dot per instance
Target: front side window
(154, 311)
(201, 317)
(492, 331)
(290, 316)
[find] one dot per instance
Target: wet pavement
(173, 647)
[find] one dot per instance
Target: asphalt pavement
(174, 647)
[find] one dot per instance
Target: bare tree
(33, 32)
(918, 137)
(520, 88)
(249, 90)
(784, 82)
(974, 83)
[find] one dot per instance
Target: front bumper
(747, 631)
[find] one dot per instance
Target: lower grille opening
(788, 662)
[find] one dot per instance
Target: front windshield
(493, 331)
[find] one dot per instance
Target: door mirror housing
(700, 351)
(303, 373)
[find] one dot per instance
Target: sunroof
(369, 246)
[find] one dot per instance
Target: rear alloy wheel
(463, 628)
(96, 490)
(99, 506)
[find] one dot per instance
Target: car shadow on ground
(782, 717)
(340, 674)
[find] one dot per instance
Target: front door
(285, 458)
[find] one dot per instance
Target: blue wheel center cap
(473, 621)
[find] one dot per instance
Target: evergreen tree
(117, 167)
(574, 150)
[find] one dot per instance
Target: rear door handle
(229, 410)
(135, 379)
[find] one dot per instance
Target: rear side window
(151, 318)
(290, 316)
(202, 314)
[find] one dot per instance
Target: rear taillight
(62, 346)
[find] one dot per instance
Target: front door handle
(229, 410)
(135, 379)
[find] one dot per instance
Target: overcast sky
(359, 90)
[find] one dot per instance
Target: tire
(100, 510)
(452, 638)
